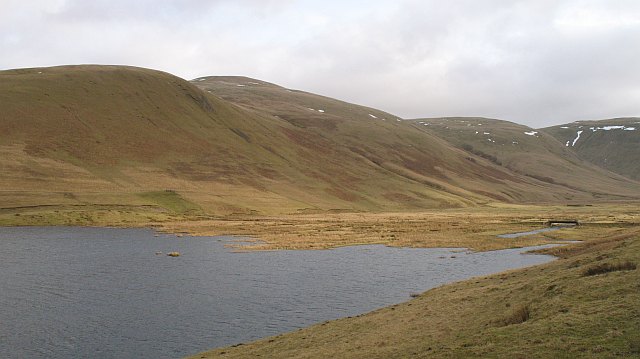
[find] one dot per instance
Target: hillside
(132, 139)
(613, 144)
(532, 153)
(404, 147)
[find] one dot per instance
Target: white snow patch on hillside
(531, 133)
(577, 138)
(565, 127)
(321, 111)
(630, 129)
(372, 116)
(486, 133)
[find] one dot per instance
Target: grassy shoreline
(585, 304)
(473, 228)
(552, 310)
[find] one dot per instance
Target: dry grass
(474, 228)
(609, 267)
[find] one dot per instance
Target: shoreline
(526, 326)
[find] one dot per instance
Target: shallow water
(536, 231)
(104, 293)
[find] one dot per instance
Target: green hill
(613, 144)
(105, 137)
(533, 153)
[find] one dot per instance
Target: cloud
(536, 62)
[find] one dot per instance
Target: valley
(284, 169)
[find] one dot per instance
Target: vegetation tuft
(609, 267)
(519, 315)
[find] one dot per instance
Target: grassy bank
(586, 304)
(474, 228)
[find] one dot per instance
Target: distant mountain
(533, 153)
(613, 144)
(125, 136)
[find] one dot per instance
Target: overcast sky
(534, 62)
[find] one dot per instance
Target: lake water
(535, 231)
(71, 292)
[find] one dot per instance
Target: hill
(133, 140)
(613, 144)
(532, 153)
(405, 147)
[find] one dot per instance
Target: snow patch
(477, 132)
(486, 133)
(577, 138)
(612, 127)
(565, 127)
(397, 119)
(531, 133)
(239, 85)
(372, 116)
(321, 111)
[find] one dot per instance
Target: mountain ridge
(93, 134)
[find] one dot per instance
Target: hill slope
(613, 144)
(111, 136)
(532, 153)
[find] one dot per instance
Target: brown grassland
(474, 228)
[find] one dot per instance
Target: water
(104, 293)
(536, 231)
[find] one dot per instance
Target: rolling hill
(613, 144)
(531, 160)
(87, 136)
(532, 153)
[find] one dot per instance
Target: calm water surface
(71, 292)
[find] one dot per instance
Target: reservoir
(75, 292)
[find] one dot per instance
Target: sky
(534, 62)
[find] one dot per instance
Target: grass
(172, 201)
(258, 149)
(609, 267)
(474, 228)
(615, 150)
(547, 311)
